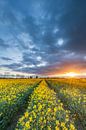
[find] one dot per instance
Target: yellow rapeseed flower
(57, 128)
(34, 106)
(26, 114)
(55, 109)
(72, 127)
(27, 124)
(49, 109)
(30, 119)
(49, 128)
(57, 122)
(63, 124)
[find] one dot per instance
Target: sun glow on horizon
(71, 74)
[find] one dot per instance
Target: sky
(43, 37)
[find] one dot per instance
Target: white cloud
(60, 42)
(27, 66)
(39, 58)
(5, 70)
(31, 66)
(42, 64)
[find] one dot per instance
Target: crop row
(74, 98)
(13, 96)
(45, 112)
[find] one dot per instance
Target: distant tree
(36, 76)
(31, 77)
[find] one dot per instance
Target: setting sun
(71, 74)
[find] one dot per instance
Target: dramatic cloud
(43, 37)
(3, 45)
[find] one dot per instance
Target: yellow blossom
(27, 124)
(26, 114)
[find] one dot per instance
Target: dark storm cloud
(6, 58)
(29, 59)
(72, 23)
(13, 66)
(53, 31)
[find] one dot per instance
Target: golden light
(71, 74)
